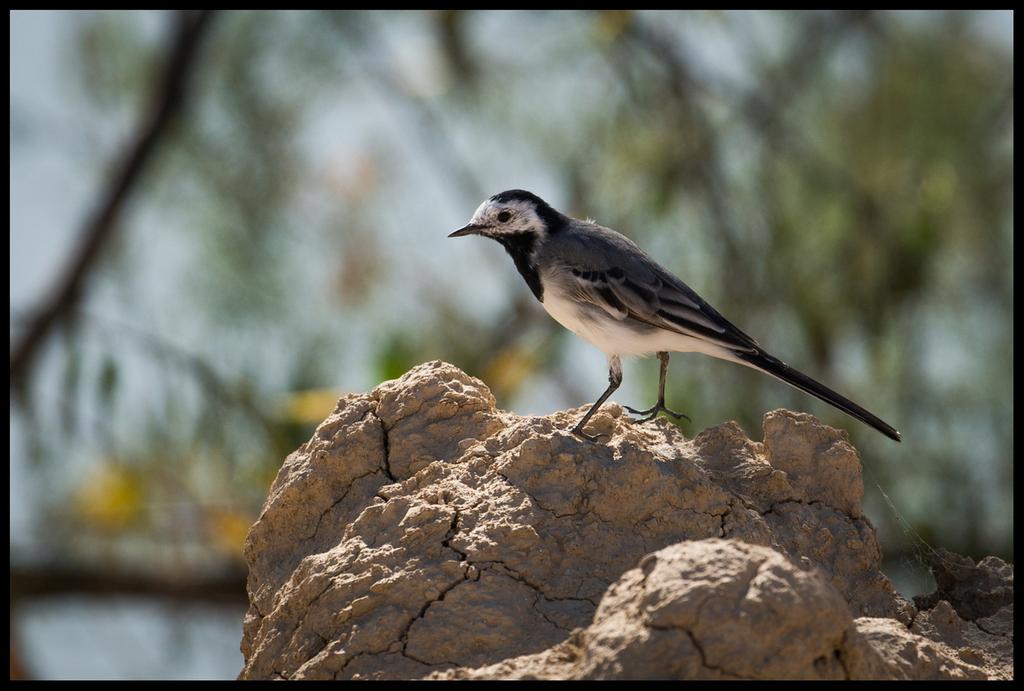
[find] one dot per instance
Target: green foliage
(398, 354)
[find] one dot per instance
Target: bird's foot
(578, 431)
(653, 411)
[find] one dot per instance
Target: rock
(971, 609)
(722, 609)
(974, 590)
(898, 653)
(713, 609)
(991, 649)
(420, 531)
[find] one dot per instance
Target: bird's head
(513, 214)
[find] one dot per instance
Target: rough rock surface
(665, 620)
(975, 591)
(421, 531)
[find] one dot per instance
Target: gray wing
(610, 271)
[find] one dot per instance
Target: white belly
(614, 337)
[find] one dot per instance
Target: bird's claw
(649, 415)
(653, 411)
(578, 431)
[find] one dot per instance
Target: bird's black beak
(470, 229)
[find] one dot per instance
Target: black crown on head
(552, 219)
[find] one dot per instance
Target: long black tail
(775, 367)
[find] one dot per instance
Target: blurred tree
(838, 183)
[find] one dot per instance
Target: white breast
(615, 337)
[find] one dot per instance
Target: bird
(603, 287)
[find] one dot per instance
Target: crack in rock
(316, 528)
(404, 635)
(386, 443)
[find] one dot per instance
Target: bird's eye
(504, 216)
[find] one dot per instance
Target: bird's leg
(614, 379)
(658, 407)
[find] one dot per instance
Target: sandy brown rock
(420, 530)
(971, 610)
(986, 643)
(902, 654)
(975, 591)
(722, 609)
(717, 609)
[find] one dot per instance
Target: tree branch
(54, 580)
(169, 99)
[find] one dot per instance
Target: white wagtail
(598, 284)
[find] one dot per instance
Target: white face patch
(511, 217)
